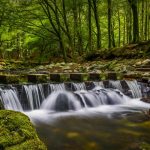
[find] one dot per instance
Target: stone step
(143, 69)
(37, 78)
(9, 79)
(72, 77)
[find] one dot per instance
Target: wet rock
(55, 77)
(111, 76)
(132, 76)
(17, 133)
(76, 77)
(146, 100)
(37, 78)
(94, 77)
(9, 79)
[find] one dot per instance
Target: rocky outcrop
(17, 133)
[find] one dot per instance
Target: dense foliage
(44, 29)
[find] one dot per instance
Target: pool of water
(115, 131)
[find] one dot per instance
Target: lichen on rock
(17, 133)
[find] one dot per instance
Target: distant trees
(70, 28)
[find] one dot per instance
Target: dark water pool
(128, 132)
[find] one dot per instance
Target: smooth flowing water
(96, 133)
(70, 117)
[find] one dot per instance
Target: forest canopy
(41, 29)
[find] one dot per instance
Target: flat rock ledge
(17, 132)
(71, 77)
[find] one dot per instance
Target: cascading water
(34, 95)
(61, 111)
(10, 99)
(135, 89)
(61, 100)
(56, 87)
(101, 84)
(79, 86)
(116, 85)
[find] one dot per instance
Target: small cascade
(65, 101)
(135, 89)
(88, 98)
(110, 96)
(79, 86)
(34, 95)
(101, 84)
(81, 97)
(116, 85)
(10, 99)
(56, 87)
(61, 101)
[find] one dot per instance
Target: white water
(33, 94)
(99, 84)
(61, 103)
(56, 87)
(79, 86)
(116, 84)
(10, 100)
(135, 89)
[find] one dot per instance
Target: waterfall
(135, 89)
(79, 86)
(10, 99)
(56, 87)
(116, 85)
(57, 98)
(101, 84)
(61, 101)
(34, 95)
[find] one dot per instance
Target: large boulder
(17, 133)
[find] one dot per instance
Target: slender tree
(133, 5)
(90, 25)
(109, 23)
(98, 34)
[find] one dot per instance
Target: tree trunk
(133, 4)
(119, 26)
(89, 25)
(109, 23)
(146, 20)
(95, 9)
(67, 28)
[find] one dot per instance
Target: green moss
(64, 77)
(1, 105)
(16, 132)
(28, 145)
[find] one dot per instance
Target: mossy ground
(17, 133)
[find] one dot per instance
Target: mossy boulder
(17, 133)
